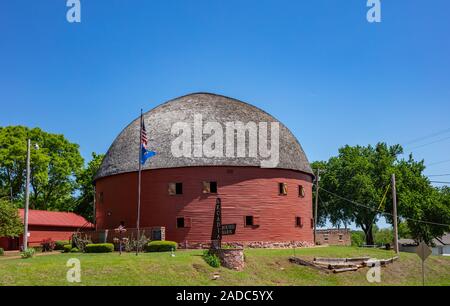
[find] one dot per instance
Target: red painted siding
(246, 191)
(37, 235)
(40, 233)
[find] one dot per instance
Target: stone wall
(334, 237)
(231, 258)
(249, 244)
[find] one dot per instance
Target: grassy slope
(263, 267)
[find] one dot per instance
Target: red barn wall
(243, 190)
(4, 243)
(37, 235)
(40, 233)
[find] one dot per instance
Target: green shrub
(67, 248)
(74, 250)
(59, 245)
(99, 248)
(28, 253)
(161, 246)
(2, 252)
(358, 238)
(211, 259)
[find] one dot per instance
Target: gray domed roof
(122, 156)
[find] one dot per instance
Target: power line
(436, 175)
(437, 182)
(428, 136)
(382, 212)
(427, 144)
(438, 163)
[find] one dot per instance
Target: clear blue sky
(316, 65)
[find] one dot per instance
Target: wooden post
(27, 198)
(316, 205)
(394, 208)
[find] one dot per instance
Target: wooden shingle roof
(122, 156)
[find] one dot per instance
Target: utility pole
(27, 199)
(95, 207)
(139, 186)
(316, 206)
(394, 208)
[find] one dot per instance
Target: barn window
(249, 221)
(100, 197)
(341, 237)
(325, 237)
(209, 187)
(301, 191)
(312, 223)
(298, 222)
(282, 188)
(175, 188)
(184, 222)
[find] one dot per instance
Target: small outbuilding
(334, 237)
(43, 225)
(440, 246)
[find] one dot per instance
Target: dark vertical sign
(216, 237)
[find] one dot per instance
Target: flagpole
(139, 186)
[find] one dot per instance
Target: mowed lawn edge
(187, 268)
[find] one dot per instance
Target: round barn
(209, 146)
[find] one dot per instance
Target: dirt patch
(199, 268)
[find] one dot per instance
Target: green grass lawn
(263, 267)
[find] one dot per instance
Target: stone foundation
(231, 258)
(248, 244)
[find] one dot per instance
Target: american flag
(145, 152)
(144, 139)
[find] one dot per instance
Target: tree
(403, 230)
(356, 188)
(432, 205)
(383, 236)
(10, 223)
(54, 167)
(361, 175)
(85, 202)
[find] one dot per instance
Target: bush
(28, 253)
(161, 246)
(99, 248)
(48, 245)
(358, 238)
(131, 244)
(2, 252)
(80, 240)
(211, 259)
(67, 248)
(59, 245)
(74, 250)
